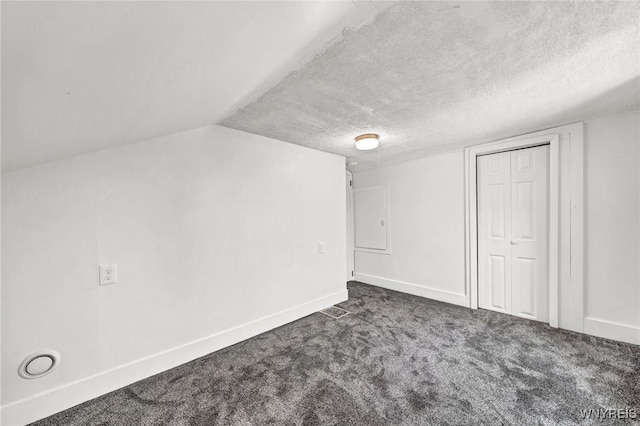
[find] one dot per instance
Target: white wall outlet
(108, 274)
(320, 247)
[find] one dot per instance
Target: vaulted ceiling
(427, 76)
(83, 76)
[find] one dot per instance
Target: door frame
(569, 308)
(471, 154)
(351, 256)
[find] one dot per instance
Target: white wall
(426, 228)
(211, 229)
(612, 200)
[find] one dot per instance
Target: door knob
(514, 242)
(382, 222)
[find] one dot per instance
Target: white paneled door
(513, 232)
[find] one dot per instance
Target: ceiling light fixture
(367, 141)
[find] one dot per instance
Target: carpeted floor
(395, 359)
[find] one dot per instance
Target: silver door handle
(514, 243)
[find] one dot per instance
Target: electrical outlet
(108, 274)
(320, 247)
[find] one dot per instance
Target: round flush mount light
(367, 141)
(38, 364)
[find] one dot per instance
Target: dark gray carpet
(395, 359)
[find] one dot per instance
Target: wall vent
(39, 364)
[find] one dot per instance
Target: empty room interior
(320, 213)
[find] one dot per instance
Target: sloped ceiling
(427, 76)
(83, 76)
(433, 76)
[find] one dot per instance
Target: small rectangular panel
(525, 160)
(497, 211)
(370, 207)
(498, 281)
(525, 214)
(496, 164)
(525, 281)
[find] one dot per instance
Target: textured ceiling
(82, 76)
(433, 76)
(428, 76)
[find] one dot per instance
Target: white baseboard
(612, 330)
(66, 396)
(415, 289)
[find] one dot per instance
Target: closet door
(494, 232)
(530, 233)
(513, 232)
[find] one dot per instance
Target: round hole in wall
(38, 364)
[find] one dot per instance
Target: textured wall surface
(431, 77)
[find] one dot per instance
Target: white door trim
(572, 222)
(351, 267)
